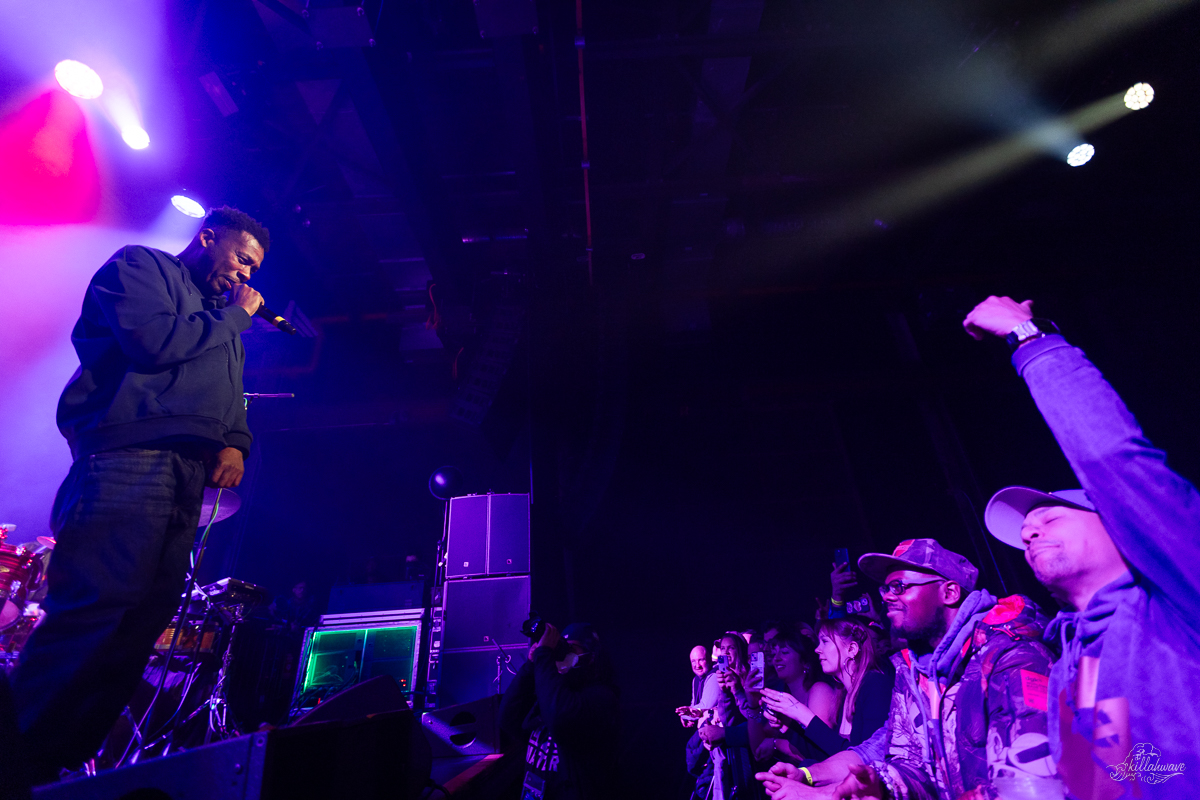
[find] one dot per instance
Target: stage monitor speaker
(466, 729)
(368, 758)
(467, 675)
(488, 534)
(476, 613)
(369, 697)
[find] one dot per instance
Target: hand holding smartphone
(758, 669)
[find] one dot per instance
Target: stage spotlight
(446, 482)
(186, 205)
(135, 136)
(1139, 96)
(1081, 155)
(78, 79)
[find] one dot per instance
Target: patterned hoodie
(972, 714)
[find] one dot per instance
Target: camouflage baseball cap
(920, 554)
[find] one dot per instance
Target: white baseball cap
(1005, 512)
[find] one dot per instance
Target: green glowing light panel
(337, 658)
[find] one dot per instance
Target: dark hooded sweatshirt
(567, 726)
(157, 360)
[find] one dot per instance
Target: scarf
(1077, 632)
(940, 666)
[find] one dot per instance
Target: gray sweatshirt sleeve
(1152, 514)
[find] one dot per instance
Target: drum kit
(23, 586)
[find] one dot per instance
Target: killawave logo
(1145, 765)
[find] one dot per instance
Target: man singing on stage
(153, 414)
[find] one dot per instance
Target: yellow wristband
(837, 602)
(808, 778)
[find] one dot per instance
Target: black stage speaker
(508, 534)
(476, 613)
(467, 675)
(467, 729)
(368, 758)
(488, 534)
(466, 539)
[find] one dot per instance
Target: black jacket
(566, 727)
(157, 359)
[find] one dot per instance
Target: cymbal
(230, 503)
(46, 541)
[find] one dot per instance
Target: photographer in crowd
(1121, 555)
(563, 703)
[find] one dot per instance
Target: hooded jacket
(566, 726)
(157, 360)
(1133, 655)
(973, 711)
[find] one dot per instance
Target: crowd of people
(938, 688)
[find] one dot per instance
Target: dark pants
(125, 521)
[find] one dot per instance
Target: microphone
(276, 320)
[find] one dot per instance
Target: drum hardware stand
(219, 722)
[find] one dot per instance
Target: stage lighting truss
(1139, 96)
(186, 205)
(1081, 155)
(78, 79)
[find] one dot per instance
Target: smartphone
(841, 556)
(757, 662)
(722, 663)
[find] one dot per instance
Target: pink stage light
(46, 158)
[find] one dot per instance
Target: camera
(534, 626)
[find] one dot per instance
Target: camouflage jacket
(973, 713)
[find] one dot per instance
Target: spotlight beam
(942, 182)
(937, 184)
(1100, 24)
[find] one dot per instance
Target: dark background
(733, 392)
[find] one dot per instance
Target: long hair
(794, 637)
(853, 628)
(739, 644)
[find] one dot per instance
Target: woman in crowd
(728, 762)
(848, 652)
(800, 679)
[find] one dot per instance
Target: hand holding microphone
(241, 294)
(244, 295)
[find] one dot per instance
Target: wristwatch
(1029, 330)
